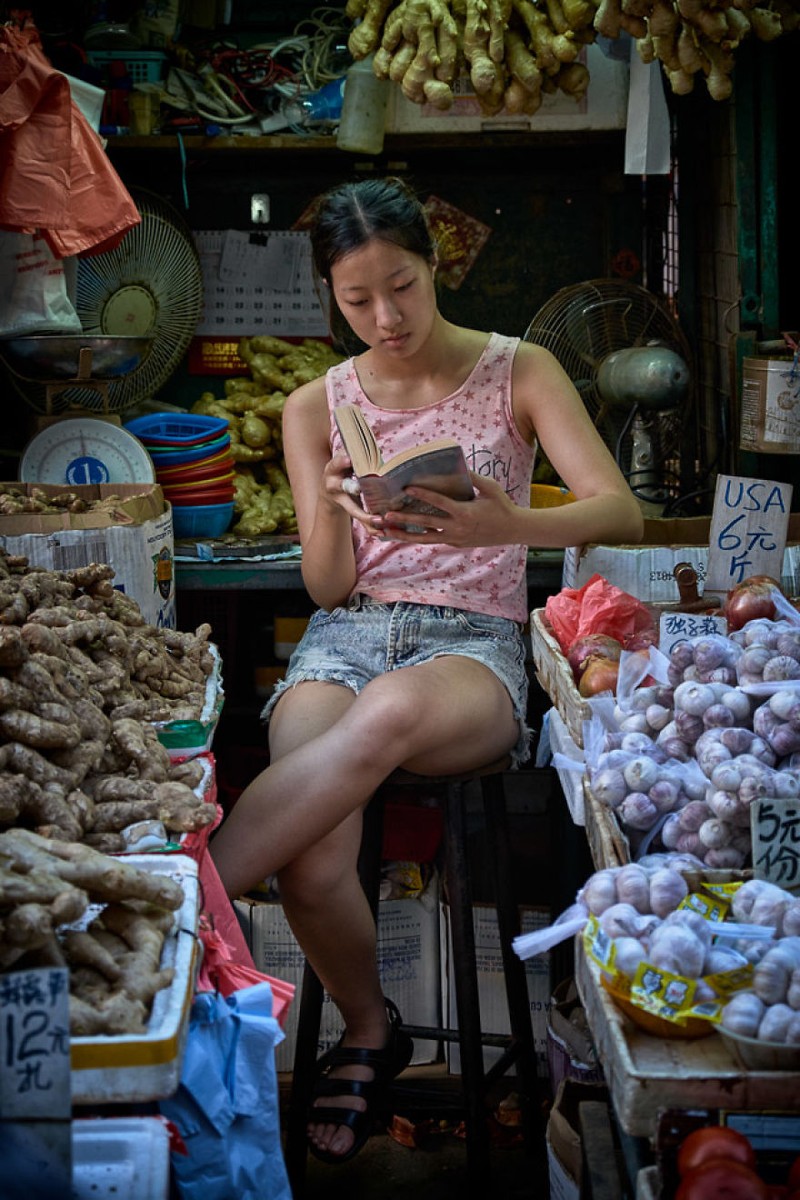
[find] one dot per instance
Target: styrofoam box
(127, 1068)
(491, 984)
(408, 963)
(120, 1158)
(604, 106)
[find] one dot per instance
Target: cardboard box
(491, 984)
(563, 1139)
(604, 106)
(645, 570)
(134, 535)
(408, 962)
(570, 1050)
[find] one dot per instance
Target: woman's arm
(323, 510)
(547, 407)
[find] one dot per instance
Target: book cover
(438, 465)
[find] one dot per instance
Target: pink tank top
(487, 579)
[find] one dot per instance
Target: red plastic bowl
(203, 496)
(205, 469)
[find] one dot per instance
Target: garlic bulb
(742, 1014)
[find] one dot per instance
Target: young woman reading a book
(415, 657)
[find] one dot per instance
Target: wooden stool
(517, 1047)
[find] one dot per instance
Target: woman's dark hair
(352, 214)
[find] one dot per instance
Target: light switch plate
(259, 208)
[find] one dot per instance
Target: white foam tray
(128, 1068)
(120, 1158)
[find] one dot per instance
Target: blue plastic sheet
(226, 1106)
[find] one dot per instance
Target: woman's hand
(483, 521)
(339, 488)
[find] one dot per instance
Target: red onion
(598, 645)
(751, 600)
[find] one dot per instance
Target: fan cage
(158, 261)
(581, 325)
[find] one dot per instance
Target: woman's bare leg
(302, 817)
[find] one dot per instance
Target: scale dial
(85, 450)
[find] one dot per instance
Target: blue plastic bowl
(176, 429)
(201, 520)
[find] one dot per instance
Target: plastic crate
(143, 66)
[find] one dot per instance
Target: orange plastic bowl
(657, 1026)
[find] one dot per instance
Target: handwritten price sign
(775, 825)
(34, 1044)
(748, 531)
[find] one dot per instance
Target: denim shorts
(352, 645)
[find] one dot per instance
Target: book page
(443, 469)
(358, 438)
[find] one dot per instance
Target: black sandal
(385, 1064)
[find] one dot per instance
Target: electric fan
(149, 286)
(629, 361)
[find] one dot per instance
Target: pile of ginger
(517, 51)
(48, 889)
(83, 678)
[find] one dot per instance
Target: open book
(439, 465)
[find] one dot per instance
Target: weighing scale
(74, 448)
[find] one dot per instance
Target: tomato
(722, 1179)
(793, 1178)
(714, 1141)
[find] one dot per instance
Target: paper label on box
(775, 828)
(675, 627)
(142, 556)
(408, 964)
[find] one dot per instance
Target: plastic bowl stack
(194, 467)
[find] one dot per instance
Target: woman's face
(387, 296)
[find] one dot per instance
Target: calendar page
(258, 283)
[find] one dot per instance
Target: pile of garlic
(769, 1010)
(638, 906)
(690, 755)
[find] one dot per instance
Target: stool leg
(508, 924)
(465, 976)
(303, 1070)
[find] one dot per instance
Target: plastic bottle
(363, 119)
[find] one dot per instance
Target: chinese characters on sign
(34, 1044)
(775, 824)
(748, 531)
(681, 627)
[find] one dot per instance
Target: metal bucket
(770, 414)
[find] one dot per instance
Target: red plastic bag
(597, 607)
(221, 972)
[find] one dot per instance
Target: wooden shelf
(394, 143)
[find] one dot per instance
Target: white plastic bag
(35, 296)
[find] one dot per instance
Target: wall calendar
(258, 283)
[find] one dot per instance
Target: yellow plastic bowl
(544, 495)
